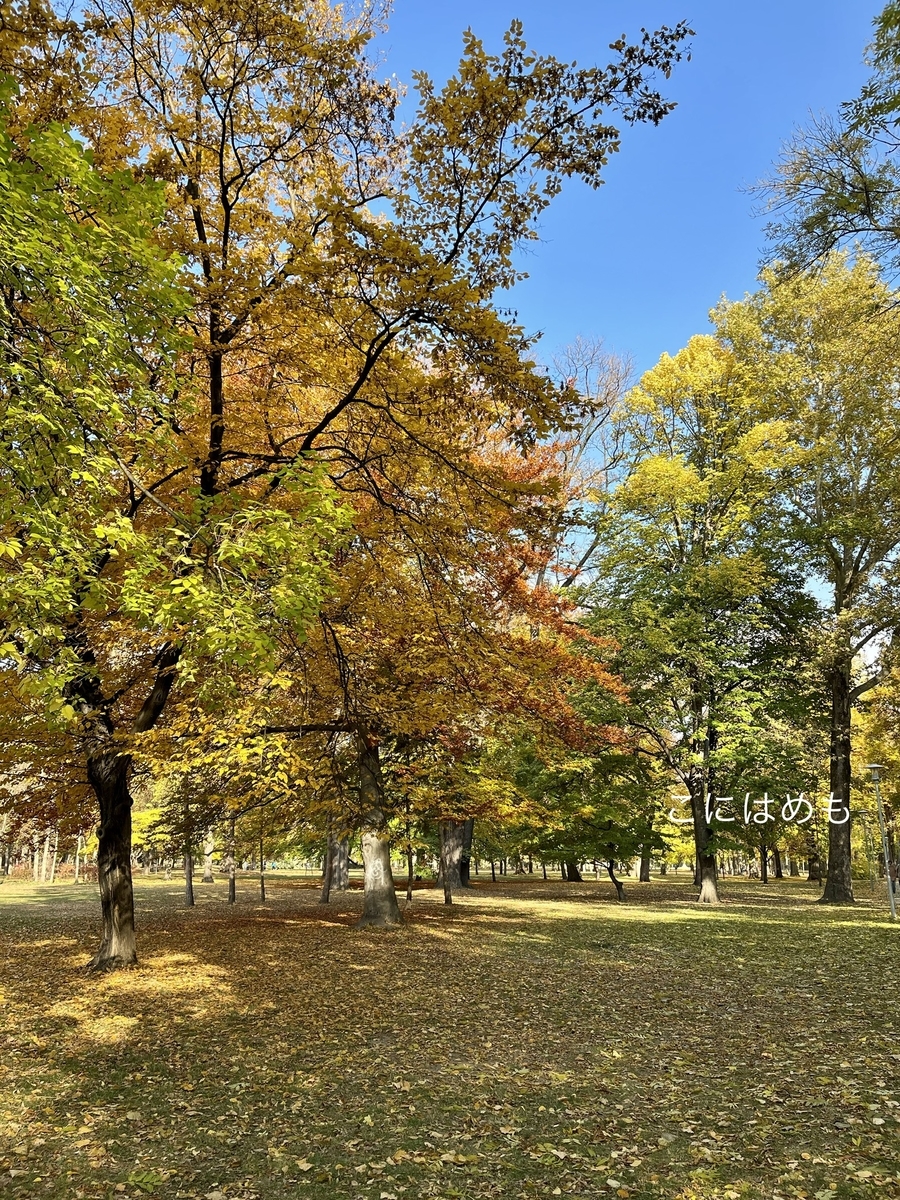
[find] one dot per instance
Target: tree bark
(763, 861)
(814, 873)
(77, 856)
(452, 841)
(45, 862)
(779, 867)
(208, 848)
(705, 866)
(380, 905)
(54, 855)
(465, 861)
(262, 871)
(339, 851)
(839, 882)
(645, 865)
(108, 776)
(663, 869)
(617, 883)
(573, 875)
(328, 876)
(188, 876)
(794, 868)
(230, 865)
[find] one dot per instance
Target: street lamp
(875, 770)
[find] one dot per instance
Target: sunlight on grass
(518, 1044)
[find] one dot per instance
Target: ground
(535, 1040)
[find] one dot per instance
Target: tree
(818, 352)
(686, 580)
(340, 280)
(838, 183)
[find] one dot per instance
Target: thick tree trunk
(573, 875)
(339, 851)
(493, 872)
(776, 858)
(645, 865)
(208, 847)
(839, 883)
(452, 840)
(663, 869)
(794, 868)
(705, 865)
(380, 905)
(617, 884)
(108, 776)
(763, 861)
(465, 861)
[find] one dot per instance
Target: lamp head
(875, 770)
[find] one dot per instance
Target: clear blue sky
(641, 261)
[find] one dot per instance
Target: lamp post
(875, 770)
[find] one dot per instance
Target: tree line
(297, 534)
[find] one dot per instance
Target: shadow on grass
(529, 1038)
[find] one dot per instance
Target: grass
(534, 1040)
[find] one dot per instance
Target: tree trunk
(108, 776)
(77, 856)
(465, 860)
(573, 875)
(208, 848)
(328, 876)
(763, 861)
(45, 862)
(645, 865)
(776, 859)
(339, 850)
(54, 855)
(493, 872)
(262, 871)
(230, 865)
(814, 872)
(705, 865)
(839, 883)
(452, 841)
(663, 869)
(617, 883)
(380, 905)
(544, 869)
(189, 876)
(794, 865)
(410, 873)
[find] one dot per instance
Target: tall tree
(340, 279)
(819, 355)
(686, 580)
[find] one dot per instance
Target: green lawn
(534, 1040)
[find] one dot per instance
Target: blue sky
(640, 262)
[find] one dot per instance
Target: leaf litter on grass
(527, 1042)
